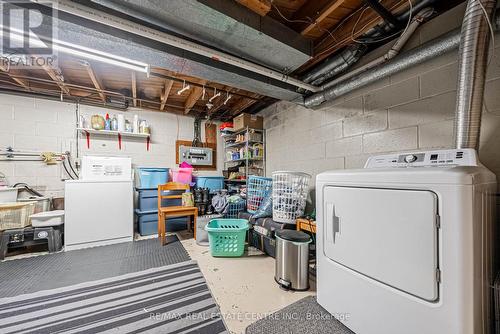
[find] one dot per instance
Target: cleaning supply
(135, 124)
(121, 123)
(114, 124)
(107, 124)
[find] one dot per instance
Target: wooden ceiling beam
(221, 100)
(193, 97)
(95, 81)
(165, 93)
(323, 14)
(21, 82)
(242, 105)
(57, 77)
(134, 89)
(343, 35)
(261, 7)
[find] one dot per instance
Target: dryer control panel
(454, 157)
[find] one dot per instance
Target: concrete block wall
(34, 124)
(411, 110)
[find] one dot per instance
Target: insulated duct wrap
(472, 63)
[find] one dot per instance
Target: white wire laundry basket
(290, 191)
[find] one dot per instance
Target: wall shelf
(118, 134)
(113, 133)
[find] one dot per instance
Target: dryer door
(388, 235)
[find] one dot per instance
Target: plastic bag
(265, 209)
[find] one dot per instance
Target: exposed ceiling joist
(221, 101)
(323, 14)
(193, 97)
(165, 93)
(134, 89)
(56, 77)
(95, 81)
(261, 7)
(242, 105)
(21, 82)
(353, 27)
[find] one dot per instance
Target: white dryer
(405, 245)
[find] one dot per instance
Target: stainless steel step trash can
(292, 260)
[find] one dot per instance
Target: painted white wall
(411, 110)
(28, 123)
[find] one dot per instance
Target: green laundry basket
(227, 237)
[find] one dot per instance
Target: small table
(306, 225)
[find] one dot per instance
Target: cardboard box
(244, 120)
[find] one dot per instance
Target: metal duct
(331, 63)
(335, 65)
(427, 51)
(393, 51)
(472, 63)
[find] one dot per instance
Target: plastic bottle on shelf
(121, 123)
(135, 124)
(114, 123)
(107, 124)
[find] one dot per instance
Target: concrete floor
(243, 287)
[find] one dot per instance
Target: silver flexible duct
(338, 64)
(427, 51)
(434, 48)
(472, 63)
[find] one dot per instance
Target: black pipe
(383, 12)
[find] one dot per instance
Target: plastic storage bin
(149, 177)
(15, 215)
(289, 195)
(147, 199)
(214, 183)
(227, 237)
(147, 222)
(258, 188)
(182, 175)
(47, 218)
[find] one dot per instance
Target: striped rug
(170, 299)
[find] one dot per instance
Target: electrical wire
(67, 172)
(350, 37)
(71, 167)
(410, 17)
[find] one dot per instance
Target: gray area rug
(68, 268)
(169, 299)
(305, 316)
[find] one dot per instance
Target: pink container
(182, 175)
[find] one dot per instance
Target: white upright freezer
(98, 213)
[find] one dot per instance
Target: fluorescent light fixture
(184, 88)
(79, 51)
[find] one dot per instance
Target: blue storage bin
(150, 177)
(147, 222)
(148, 199)
(214, 183)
